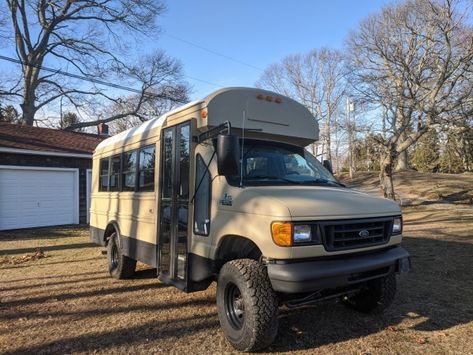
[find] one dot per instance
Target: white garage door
(37, 197)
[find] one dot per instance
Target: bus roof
(261, 113)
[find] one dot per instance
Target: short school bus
(223, 190)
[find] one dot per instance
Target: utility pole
(351, 132)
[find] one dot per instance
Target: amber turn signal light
(282, 233)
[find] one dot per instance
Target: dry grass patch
(67, 303)
(414, 188)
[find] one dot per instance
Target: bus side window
(146, 169)
(202, 198)
(130, 160)
(103, 174)
(115, 166)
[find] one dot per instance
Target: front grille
(353, 234)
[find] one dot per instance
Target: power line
(93, 80)
(213, 52)
(203, 81)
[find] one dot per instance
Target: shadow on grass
(150, 331)
(6, 252)
(35, 264)
(77, 295)
(49, 284)
(56, 276)
(66, 231)
(126, 309)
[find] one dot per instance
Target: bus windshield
(270, 163)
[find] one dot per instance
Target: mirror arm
(224, 128)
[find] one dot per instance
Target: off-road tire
(375, 296)
(260, 318)
(119, 265)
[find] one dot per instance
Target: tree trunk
(328, 141)
(386, 176)
(28, 108)
(403, 161)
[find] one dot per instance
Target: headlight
(397, 225)
(302, 234)
(287, 234)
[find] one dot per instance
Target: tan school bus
(223, 190)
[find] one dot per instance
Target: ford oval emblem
(364, 233)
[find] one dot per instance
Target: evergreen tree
(9, 114)
(68, 119)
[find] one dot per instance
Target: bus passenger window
(115, 164)
(103, 175)
(129, 170)
(146, 169)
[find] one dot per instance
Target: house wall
(56, 162)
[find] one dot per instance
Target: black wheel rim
(114, 257)
(234, 306)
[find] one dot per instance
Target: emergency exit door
(174, 204)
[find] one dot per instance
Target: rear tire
(375, 297)
(247, 305)
(119, 265)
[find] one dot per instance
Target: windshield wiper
(325, 181)
(256, 177)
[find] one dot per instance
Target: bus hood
(323, 202)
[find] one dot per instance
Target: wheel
(247, 305)
(375, 297)
(119, 265)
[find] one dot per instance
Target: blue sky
(256, 32)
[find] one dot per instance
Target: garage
(38, 197)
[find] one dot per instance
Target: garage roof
(21, 137)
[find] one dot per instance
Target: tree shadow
(77, 295)
(151, 331)
(27, 264)
(66, 231)
(56, 276)
(47, 248)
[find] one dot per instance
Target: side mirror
(328, 165)
(228, 154)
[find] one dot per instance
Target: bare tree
(87, 36)
(413, 61)
(315, 79)
(161, 83)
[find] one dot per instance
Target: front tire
(375, 297)
(247, 305)
(119, 265)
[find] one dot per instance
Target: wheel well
(236, 247)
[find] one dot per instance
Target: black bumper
(310, 276)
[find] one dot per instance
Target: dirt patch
(414, 188)
(67, 303)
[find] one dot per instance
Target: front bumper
(311, 276)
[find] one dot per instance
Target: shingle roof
(46, 139)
